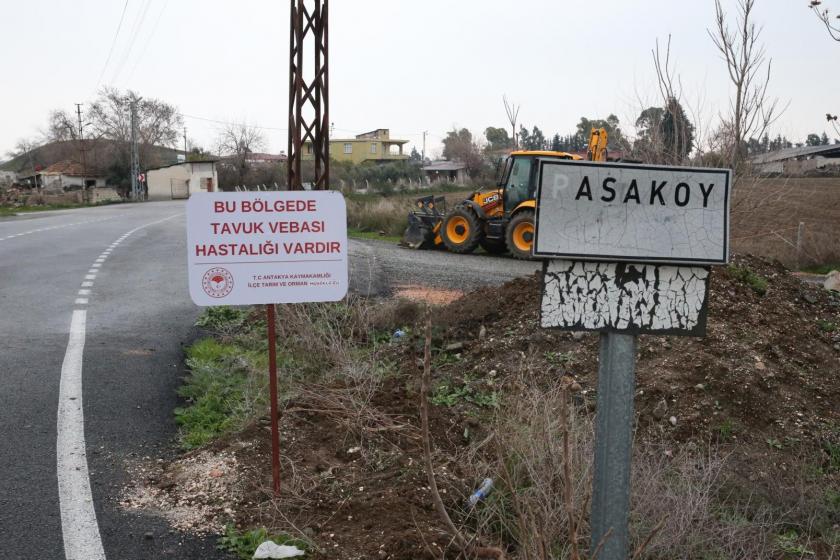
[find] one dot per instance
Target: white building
(179, 180)
(7, 178)
(69, 175)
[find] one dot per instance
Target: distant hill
(100, 154)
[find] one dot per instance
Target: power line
(134, 32)
(148, 41)
(113, 44)
(233, 123)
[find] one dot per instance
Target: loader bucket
(420, 233)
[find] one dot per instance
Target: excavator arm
(598, 139)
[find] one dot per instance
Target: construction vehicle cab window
(498, 220)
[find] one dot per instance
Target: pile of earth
(762, 386)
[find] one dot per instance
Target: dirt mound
(768, 366)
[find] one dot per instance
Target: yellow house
(376, 145)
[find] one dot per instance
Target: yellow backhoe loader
(498, 220)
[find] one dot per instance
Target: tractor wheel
(493, 246)
(461, 231)
(520, 235)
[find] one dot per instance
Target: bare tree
(61, 127)
(236, 142)
(833, 120)
(825, 17)
(512, 111)
(751, 110)
(158, 122)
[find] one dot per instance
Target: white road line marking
(78, 517)
(93, 271)
(59, 227)
(96, 265)
(84, 292)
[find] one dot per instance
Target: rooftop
(71, 169)
(444, 165)
(831, 150)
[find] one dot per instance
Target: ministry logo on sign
(217, 282)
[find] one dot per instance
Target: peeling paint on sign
(625, 297)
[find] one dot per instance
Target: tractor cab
(518, 177)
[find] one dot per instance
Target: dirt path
(380, 267)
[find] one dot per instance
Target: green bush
(747, 276)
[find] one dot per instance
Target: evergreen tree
(677, 132)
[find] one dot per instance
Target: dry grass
(387, 215)
(540, 457)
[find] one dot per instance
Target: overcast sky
(407, 65)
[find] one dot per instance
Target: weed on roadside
(827, 326)
(244, 544)
(757, 283)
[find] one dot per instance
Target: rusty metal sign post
(272, 382)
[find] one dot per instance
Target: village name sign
(628, 246)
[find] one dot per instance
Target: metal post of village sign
(629, 249)
(613, 444)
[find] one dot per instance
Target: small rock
(673, 420)
(660, 409)
(837, 346)
(149, 535)
(832, 281)
(809, 297)
(215, 473)
(760, 366)
(454, 347)
(482, 333)
(578, 335)
(700, 387)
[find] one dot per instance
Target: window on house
(309, 149)
(348, 148)
(373, 147)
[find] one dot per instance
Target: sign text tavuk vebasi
(632, 213)
(253, 248)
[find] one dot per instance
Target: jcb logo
(491, 199)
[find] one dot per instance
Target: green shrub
(747, 276)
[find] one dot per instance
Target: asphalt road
(94, 312)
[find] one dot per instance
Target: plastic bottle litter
(481, 493)
(269, 549)
(399, 333)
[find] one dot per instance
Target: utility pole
(82, 149)
(425, 132)
(135, 154)
(309, 101)
(185, 143)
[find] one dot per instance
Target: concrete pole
(613, 445)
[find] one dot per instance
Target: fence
(796, 221)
